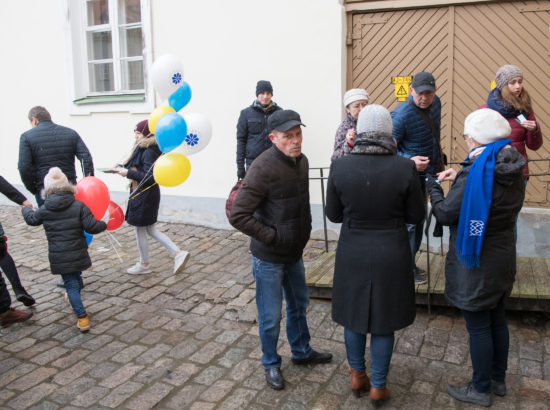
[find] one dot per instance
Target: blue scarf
(476, 203)
(495, 102)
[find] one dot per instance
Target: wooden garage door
(463, 46)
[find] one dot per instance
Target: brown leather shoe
(13, 316)
(359, 382)
(377, 396)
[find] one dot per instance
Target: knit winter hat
(263, 86)
(374, 118)
(486, 126)
(55, 178)
(355, 94)
(505, 74)
(143, 127)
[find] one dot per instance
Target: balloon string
(109, 236)
(143, 180)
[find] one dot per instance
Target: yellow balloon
(171, 169)
(158, 112)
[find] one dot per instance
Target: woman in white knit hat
(374, 193)
(354, 100)
(512, 101)
(481, 208)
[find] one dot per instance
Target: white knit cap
(55, 178)
(374, 118)
(355, 94)
(486, 126)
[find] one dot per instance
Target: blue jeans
(381, 349)
(416, 231)
(73, 286)
(272, 281)
(489, 344)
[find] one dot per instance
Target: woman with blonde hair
(511, 100)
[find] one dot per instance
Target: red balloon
(94, 193)
(116, 216)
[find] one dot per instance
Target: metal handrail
(322, 179)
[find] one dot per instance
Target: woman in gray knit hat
(373, 192)
(513, 102)
(354, 100)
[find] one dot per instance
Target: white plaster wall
(225, 46)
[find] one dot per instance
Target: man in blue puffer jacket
(49, 145)
(252, 132)
(416, 127)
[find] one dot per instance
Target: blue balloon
(181, 97)
(170, 131)
(88, 237)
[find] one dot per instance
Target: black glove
(241, 173)
(3, 246)
(432, 182)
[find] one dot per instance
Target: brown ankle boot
(377, 396)
(359, 382)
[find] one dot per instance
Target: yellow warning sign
(401, 87)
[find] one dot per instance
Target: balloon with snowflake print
(199, 133)
(167, 75)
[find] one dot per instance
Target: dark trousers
(489, 344)
(8, 267)
(39, 199)
(416, 231)
(5, 300)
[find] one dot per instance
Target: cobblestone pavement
(191, 341)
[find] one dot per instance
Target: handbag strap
(436, 132)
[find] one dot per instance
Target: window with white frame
(110, 52)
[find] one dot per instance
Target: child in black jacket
(64, 220)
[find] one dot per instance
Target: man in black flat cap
(416, 128)
(272, 207)
(252, 132)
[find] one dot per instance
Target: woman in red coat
(513, 102)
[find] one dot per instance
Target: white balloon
(199, 132)
(167, 75)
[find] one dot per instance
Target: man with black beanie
(252, 132)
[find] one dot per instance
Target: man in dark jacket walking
(272, 207)
(49, 145)
(416, 127)
(252, 131)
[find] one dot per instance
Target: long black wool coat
(374, 196)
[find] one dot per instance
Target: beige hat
(355, 94)
(486, 126)
(507, 73)
(55, 178)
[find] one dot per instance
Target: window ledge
(109, 99)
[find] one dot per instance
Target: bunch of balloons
(177, 135)
(95, 195)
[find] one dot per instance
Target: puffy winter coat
(64, 220)
(482, 288)
(272, 207)
(252, 133)
(341, 147)
(413, 134)
(11, 192)
(143, 205)
(374, 196)
(522, 138)
(50, 145)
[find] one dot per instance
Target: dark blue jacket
(413, 134)
(50, 145)
(252, 133)
(64, 220)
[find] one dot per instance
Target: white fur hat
(55, 178)
(486, 126)
(355, 94)
(374, 118)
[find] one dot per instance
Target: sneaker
(138, 269)
(180, 261)
(469, 394)
(25, 298)
(13, 316)
(419, 279)
(498, 388)
(419, 272)
(83, 323)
